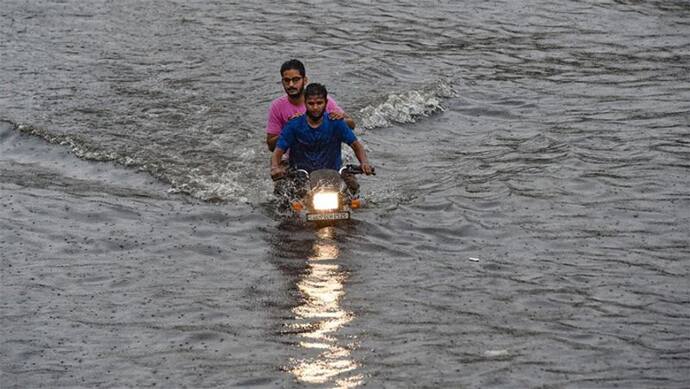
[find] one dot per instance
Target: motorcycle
(321, 196)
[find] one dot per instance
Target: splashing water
(407, 107)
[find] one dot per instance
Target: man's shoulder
(335, 123)
(340, 126)
(280, 101)
(332, 105)
(295, 123)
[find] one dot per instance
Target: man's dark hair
(293, 64)
(315, 90)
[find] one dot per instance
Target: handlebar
(349, 168)
(355, 169)
(292, 173)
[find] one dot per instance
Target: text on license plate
(328, 216)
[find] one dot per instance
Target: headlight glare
(324, 201)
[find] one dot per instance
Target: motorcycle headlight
(324, 201)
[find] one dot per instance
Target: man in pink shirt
(291, 105)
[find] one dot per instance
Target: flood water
(528, 225)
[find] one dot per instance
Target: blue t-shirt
(315, 148)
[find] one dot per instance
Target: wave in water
(79, 146)
(406, 107)
(211, 176)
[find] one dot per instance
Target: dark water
(528, 226)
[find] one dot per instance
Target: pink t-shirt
(282, 110)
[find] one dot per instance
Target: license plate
(328, 216)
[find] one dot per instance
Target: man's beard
(315, 118)
(295, 93)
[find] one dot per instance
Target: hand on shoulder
(296, 115)
(337, 115)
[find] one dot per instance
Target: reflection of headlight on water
(327, 355)
(324, 201)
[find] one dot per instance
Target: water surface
(528, 225)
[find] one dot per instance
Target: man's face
(293, 82)
(316, 106)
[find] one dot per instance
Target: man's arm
(271, 141)
(361, 155)
(337, 113)
(349, 120)
(277, 170)
(274, 125)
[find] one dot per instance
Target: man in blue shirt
(314, 139)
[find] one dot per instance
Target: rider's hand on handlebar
(367, 169)
(277, 172)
